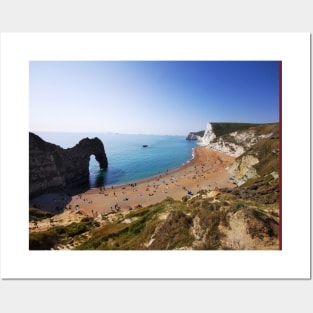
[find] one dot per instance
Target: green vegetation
(199, 223)
(268, 128)
(261, 192)
(221, 129)
(199, 133)
(37, 214)
(137, 234)
(47, 240)
(174, 233)
(268, 154)
(267, 150)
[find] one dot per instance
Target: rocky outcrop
(192, 136)
(195, 135)
(242, 168)
(208, 136)
(234, 143)
(250, 229)
(256, 148)
(52, 168)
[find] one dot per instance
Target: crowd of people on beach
(185, 181)
(135, 195)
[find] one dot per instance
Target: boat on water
(144, 146)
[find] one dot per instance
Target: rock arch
(52, 168)
(87, 147)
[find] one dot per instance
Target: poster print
(184, 258)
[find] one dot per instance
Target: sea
(128, 160)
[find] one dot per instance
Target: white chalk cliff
(235, 144)
(193, 136)
(210, 140)
(208, 136)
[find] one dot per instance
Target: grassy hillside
(221, 129)
(199, 223)
(48, 239)
(267, 150)
(198, 133)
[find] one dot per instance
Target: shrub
(37, 214)
(46, 240)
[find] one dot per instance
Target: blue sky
(150, 97)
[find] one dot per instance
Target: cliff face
(243, 168)
(256, 148)
(52, 168)
(234, 143)
(192, 136)
(195, 135)
(208, 136)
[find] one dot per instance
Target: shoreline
(150, 177)
(206, 170)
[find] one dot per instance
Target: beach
(207, 170)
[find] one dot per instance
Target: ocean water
(128, 160)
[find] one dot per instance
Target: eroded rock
(52, 168)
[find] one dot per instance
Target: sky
(150, 97)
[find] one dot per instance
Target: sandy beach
(207, 170)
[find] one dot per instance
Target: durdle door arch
(52, 168)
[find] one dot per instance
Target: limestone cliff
(52, 168)
(261, 156)
(195, 135)
(192, 136)
(243, 168)
(256, 148)
(234, 143)
(208, 136)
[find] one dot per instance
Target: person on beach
(174, 184)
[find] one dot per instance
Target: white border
(17, 49)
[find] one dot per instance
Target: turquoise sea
(128, 160)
